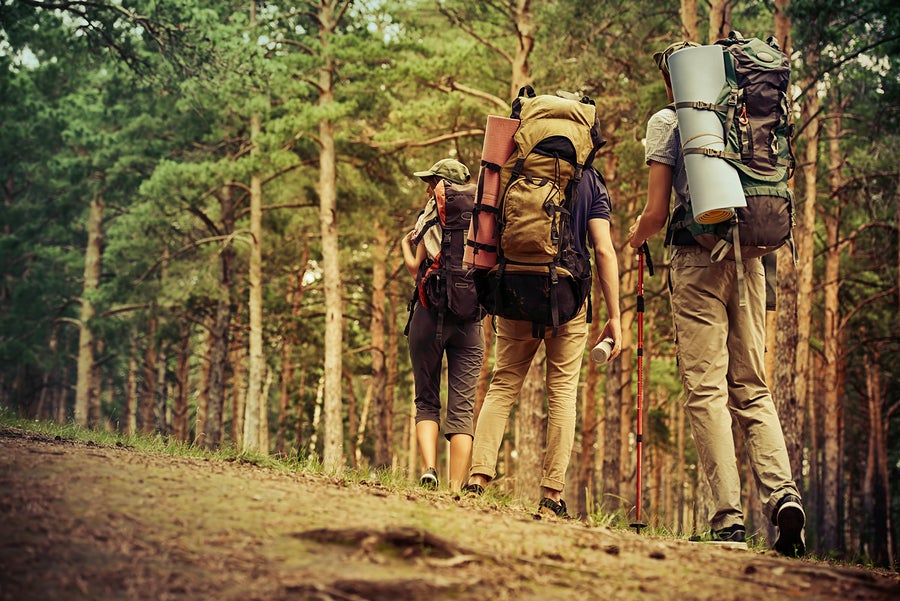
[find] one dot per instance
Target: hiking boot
(790, 519)
(429, 479)
(558, 508)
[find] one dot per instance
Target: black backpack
(754, 107)
(443, 284)
(539, 276)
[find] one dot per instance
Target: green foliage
(152, 114)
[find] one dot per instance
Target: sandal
(558, 508)
(475, 489)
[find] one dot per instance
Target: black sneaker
(731, 537)
(558, 508)
(731, 534)
(790, 520)
(429, 478)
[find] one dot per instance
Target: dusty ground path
(82, 521)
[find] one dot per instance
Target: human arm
(412, 258)
(656, 211)
(608, 272)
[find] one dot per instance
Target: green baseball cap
(662, 58)
(449, 169)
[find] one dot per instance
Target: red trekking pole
(639, 439)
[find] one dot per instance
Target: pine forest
(203, 204)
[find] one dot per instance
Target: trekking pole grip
(645, 250)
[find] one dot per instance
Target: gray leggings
(463, 342)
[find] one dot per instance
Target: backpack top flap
(546, 117)
(455, 203)
(760, 73)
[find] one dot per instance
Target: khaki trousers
(720, 354)
(515, 350)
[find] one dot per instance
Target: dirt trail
(82, 521)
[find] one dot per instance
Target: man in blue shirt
(516, 347)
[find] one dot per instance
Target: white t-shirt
(664, 146)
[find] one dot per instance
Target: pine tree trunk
(352, 417)
(384, 434)
(689, 20)
(300, 411)
(286, 380)
(521, 70)
(131, 392)
(160, 405)
(879, 423)
(255, 404)
(831, 336)
(180, 415)
(238, 393)
(95, 417)
(375, 395)
(783, 26)
(148, 370)
(719, 19)
(317, 417)
(92, 264)
(220, 333)
(804, 238)
(333, 438)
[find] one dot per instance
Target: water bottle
(600, 353)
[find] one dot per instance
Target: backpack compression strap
(479, 208)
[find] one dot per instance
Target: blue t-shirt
(593, 203)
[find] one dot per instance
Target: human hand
(631, 240)
(612, 329)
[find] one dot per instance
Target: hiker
(720, 346)
(516, 346)
(439, 328)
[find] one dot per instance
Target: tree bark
(238, 393)
(719, 19)
(286, 381)
(831, 343)
(148, 370)
(180, 415)
(875, 484)
(689, 20)
(521, 70)
(352, 417)
(783, 26)
(92, 260)
(131, 392)
(375, 396)
(384, 436)
(220, 332)
(333, 436)
(256, 405)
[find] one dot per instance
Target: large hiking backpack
(443, 284)
(540, 276)
(754, 108)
